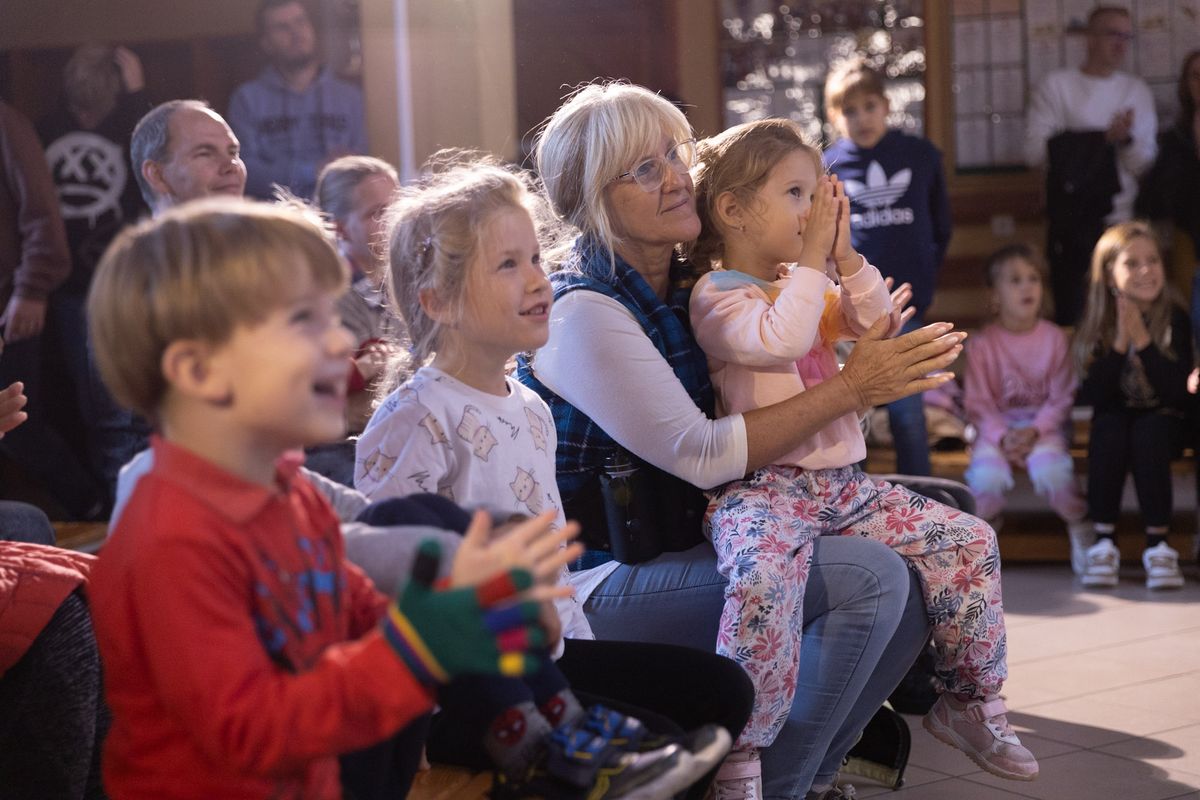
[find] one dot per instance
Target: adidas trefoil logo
(879, 191)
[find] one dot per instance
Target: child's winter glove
(440, 634)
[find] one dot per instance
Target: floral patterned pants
(763, 528)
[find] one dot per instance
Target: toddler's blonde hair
(739, 160)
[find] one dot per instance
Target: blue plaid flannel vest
(582, 445)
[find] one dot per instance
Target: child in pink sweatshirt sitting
(768, 328)
(1020, 386)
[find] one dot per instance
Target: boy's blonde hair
(197, 272)
(435, 232)
(1098, 327)
(601, 131)
(739, 160)
(852, 76)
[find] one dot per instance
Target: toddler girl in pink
(1020, 386)
(768, 328)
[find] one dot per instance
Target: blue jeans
(906, 420)
(864, 625)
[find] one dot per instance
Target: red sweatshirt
(240, 648)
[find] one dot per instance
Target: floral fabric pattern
(763, 528)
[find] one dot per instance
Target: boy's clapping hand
(492, 628)
(531, 545)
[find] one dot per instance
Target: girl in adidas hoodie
(768, 328)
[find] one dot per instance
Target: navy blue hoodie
(287, 136)
(899, 211)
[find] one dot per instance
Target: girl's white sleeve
(397, 455)
(599, 360)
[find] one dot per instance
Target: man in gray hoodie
(295, 116)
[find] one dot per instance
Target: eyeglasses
(1117, 36)
(650, 174)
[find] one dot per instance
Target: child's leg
(1109, 452)
(1158, 437)
(957, 559)
(1053, 474)
(990, 477)
(1110, 447)
(764, 549)
(906, 420)
(487, 721)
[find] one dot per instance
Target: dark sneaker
(707, 744)
(579, 765)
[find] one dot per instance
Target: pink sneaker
(739, 778)
(980, 729)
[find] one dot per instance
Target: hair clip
(424, 246)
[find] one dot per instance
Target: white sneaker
(739, 778)
(1082, 536)
(1162, 567)
(1103, 564)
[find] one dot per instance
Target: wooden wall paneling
(561, 45)
(698, 26)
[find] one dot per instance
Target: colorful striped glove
(442, 633)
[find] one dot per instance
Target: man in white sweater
(1097, 97)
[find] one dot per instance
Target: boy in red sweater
(242, 652)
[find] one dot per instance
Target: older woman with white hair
(632, 402)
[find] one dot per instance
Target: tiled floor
(1104, 687)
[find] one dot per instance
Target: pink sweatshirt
(1019, 379)
(758, 337)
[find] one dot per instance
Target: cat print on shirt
(377, 465)
(472, 429)
(434, 428)
(401, 395)
(528, 491)
(538, 429)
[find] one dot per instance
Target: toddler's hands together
(820, 230)
(848, 261)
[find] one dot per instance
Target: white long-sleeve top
(764, 345)
(600, 360)
(1069, 100)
